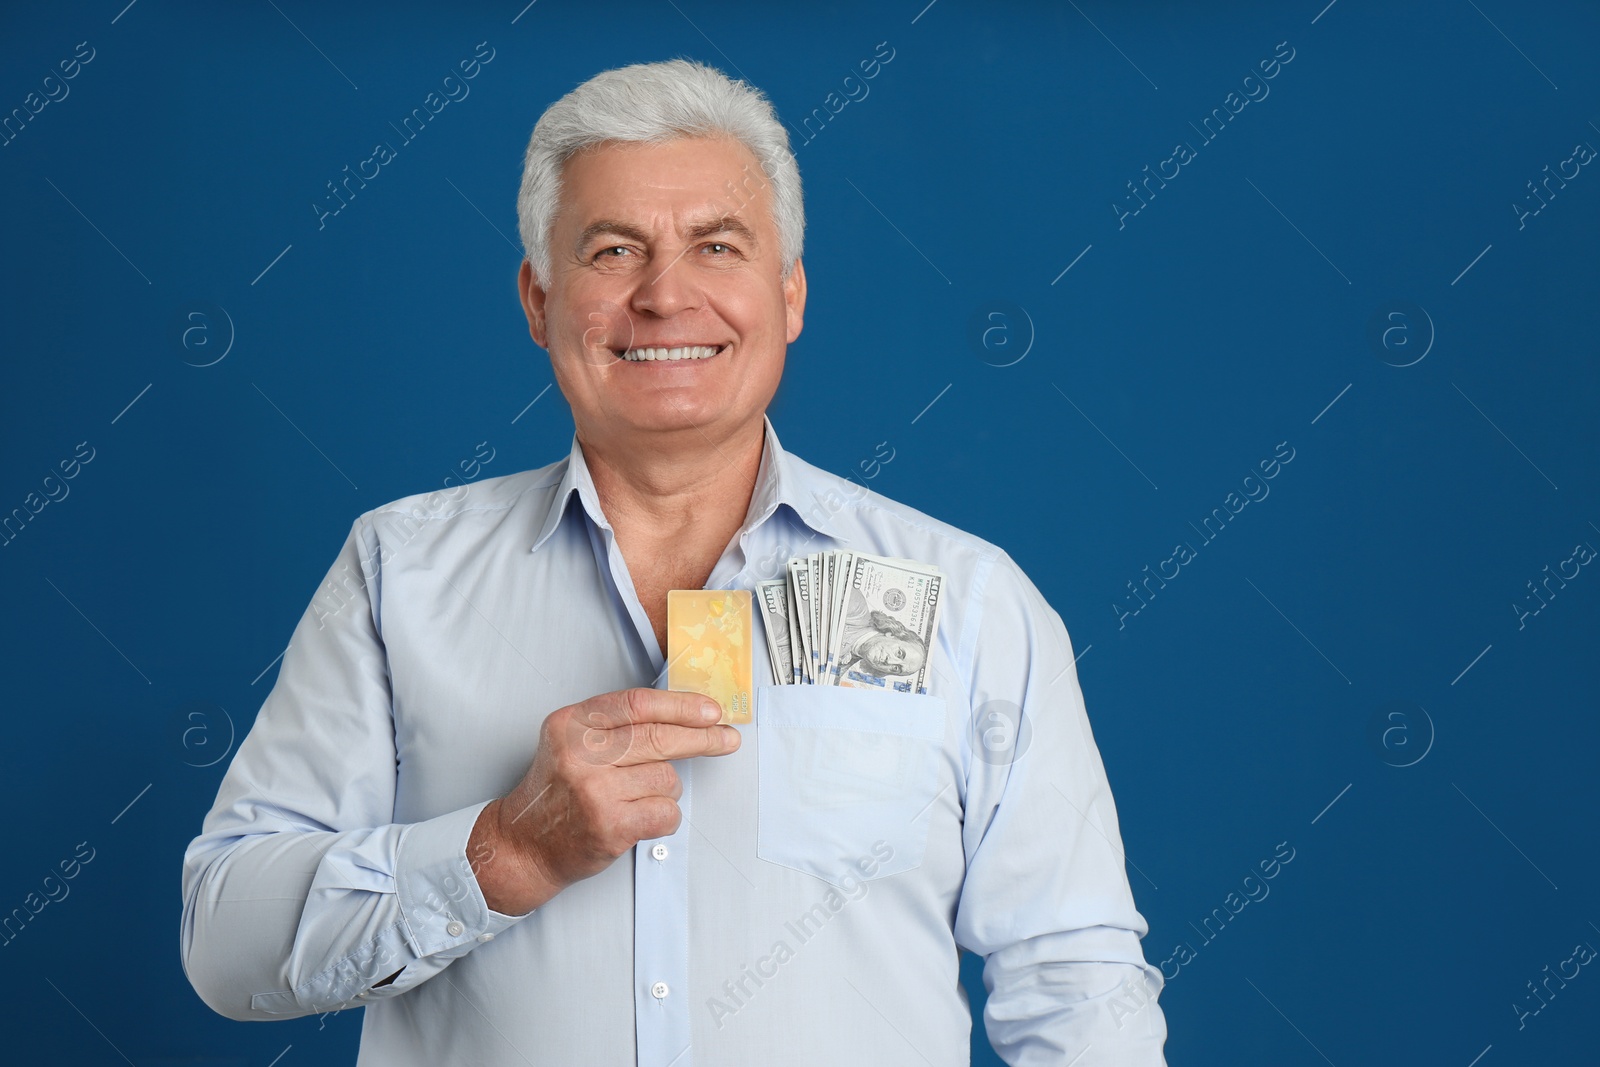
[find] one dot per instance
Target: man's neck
(695, 479)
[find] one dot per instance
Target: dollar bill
(774, 599)
(852, 619)
(798, 671)
(814, 570)
(825, 613)
(799, 570)
(889, 619)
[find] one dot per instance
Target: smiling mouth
(668, 355)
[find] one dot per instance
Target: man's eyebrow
(722, 224)
(729, 224)
(612, 227)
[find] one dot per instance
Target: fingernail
(730, 736)
(710, 711)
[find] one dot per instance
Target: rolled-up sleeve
(301, 893)
(1046, 899)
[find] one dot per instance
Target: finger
(650, 817)
(649, 742)
(627, 707)
(646, 780)
(635, 743)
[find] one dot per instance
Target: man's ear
(533, 296)
(794, 299)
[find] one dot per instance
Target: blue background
(1343, 668)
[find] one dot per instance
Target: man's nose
(668, 289)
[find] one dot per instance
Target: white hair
(655, 103)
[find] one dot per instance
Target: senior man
(471, 805)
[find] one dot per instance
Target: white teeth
(639, 355)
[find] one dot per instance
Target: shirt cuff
(441, 905)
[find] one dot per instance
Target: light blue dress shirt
(810, 907)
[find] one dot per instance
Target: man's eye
(720, 245)
(606, 252)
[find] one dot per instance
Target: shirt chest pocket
(845, 778)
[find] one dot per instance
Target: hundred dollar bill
(839, 567)
(814, 569)
(774, 597)
(800, 596)
(826, 562)
(843, 561)
(798, 673)
(889, 621)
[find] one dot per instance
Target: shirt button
(485, 937)
(363, 993)
(454, 929)
(659, 851)
(659, 990)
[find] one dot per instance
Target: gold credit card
(709, 647)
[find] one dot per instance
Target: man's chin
(667, 415)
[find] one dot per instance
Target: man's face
(665, 246)
(888, 654)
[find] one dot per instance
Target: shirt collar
(781, 479)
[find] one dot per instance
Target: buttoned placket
(661, 865)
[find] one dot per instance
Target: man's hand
(599, 783)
